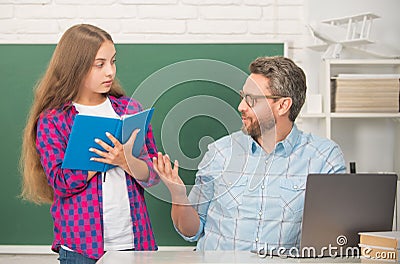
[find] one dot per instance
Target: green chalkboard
(193, 88)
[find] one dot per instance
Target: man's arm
(184, 216)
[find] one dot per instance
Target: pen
(104, 177)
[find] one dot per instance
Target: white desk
(178, 257)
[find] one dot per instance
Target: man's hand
(183, 215)
(170, 176)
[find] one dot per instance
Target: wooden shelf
(364, 62)
(352, 115)
(363, 137)
(307, 115)
(365, 115)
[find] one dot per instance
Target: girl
(91, 214)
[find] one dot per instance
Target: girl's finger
(132, 138)
(102, 160)
(128, 146)
(103, 144)
(113, 139)
(134, 134)
(98, 152)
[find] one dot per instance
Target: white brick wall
(167, 12)
(6, 11)
(24, 12)
(130, 21)
(230, 12)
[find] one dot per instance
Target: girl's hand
(115, 155)
(170, 176)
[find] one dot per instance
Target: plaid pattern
(77, 206)
(246, 197)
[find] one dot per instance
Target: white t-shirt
(118, 231)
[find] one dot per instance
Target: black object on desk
(352, 167)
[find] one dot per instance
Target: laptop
(338, 207)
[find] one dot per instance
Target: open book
(87, 128)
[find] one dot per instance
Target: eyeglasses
(251, 99)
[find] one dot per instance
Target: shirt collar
(254, 147)
(67, 105)
(289, 142)
(286, 146)
(115, 103)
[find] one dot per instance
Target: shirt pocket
(292, 194)
(230, 189)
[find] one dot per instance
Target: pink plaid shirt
(77, 209)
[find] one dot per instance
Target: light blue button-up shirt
(246, 197)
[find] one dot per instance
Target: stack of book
(359, 93)
(380, 245)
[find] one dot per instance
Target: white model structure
(344, 32)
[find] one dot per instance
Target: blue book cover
(87, 128)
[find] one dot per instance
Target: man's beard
(254, 129)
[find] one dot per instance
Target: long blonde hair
(71, 62)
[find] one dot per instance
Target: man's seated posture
(250, 185)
